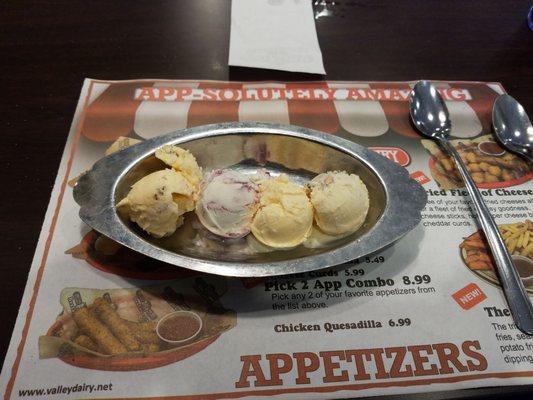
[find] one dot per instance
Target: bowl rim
(405, 199)
(177, 312)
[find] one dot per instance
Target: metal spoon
(430, 115)
(512, 126)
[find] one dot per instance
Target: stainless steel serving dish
(395, 199)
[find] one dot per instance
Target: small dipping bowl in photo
(491, 148)
(179, 327)
(524, 267)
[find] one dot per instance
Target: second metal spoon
(512, 126)
(430, 115)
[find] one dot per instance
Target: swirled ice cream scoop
(158, 201)
(340, 201)
(227, 203)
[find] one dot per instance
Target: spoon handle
(518, 300)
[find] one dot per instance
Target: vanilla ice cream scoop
(285, 217)
(182, 161)
(340, 201)
(227, 203)
(158, 201)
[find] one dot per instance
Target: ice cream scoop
(227, 203)
(182, 161)
(317, 239)
(340, 201)
(120, 144)
(158, 201)
(285, 216)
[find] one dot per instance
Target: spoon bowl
(512, 126)
(429, 112)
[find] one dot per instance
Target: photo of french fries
(116, 329)
(505, 169)
(518, 238)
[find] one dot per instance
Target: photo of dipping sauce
(179, 327)
(524, 267)
(491, 148)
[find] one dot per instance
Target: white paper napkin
(275, 34)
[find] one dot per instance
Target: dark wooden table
(47, 48)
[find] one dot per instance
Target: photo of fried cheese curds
(489, 164)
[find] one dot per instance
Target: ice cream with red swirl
(227, 203)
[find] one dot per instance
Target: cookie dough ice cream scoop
(182, 161)
(158, 201)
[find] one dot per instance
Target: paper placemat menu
(424, 314)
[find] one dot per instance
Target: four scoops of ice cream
(277, 212)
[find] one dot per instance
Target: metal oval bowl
(396, 200)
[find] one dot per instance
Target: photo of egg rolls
(100, 334)
(87, 342)
(105, 313)
(103, 331)
(116, 329)
(144, 332)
